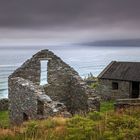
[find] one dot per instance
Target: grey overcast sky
(68, 21)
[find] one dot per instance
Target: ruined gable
(64, 85)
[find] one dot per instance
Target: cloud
(69, 20)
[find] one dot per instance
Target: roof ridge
(108, 66)
(127, 61)
(129, 71)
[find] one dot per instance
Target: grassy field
(104, 125)
(107, 106)
(4, 119)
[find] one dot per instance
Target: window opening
(44, 72)
(114, 85)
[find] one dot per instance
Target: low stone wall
(4, 104)
(28, 99)
(126, 103)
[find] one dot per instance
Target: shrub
(107, 106)
(32, 129)
(4, 119)
(105, 125)
(80, 128)
(95, 116)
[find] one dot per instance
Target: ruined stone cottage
(63, 90)
(120, 80)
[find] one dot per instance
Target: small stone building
(120, 80)
(62, 92)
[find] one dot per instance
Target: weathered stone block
(127, 103)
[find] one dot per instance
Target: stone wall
(24, 96)
(22, 100)
(65, 87)
(106, 92)
(127, 103)
(4, 104)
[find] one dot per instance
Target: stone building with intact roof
(120, 80)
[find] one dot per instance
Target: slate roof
(124, 71)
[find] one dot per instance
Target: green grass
(4, 119)
(104, 125)
(107, 106)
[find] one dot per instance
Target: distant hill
(124, 42)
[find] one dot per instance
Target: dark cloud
(79, 15)
(20, 13)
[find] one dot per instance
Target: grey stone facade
(65, 92)
(120, 80)
(106, 91)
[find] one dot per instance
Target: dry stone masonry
(107, 93)
(120, 80)
(127, 103)
(65, 92)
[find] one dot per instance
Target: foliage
(94, 85)
(4, 119)
(94, 81)
(90, 77)
(80, 128)
(107, 106)
(95, 116)
(104, 125)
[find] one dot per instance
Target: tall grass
(105, 125)
(107, 106)
(4, 119)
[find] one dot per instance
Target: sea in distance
(84, 59)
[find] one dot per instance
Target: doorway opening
(40, 107)
(44, 72)
(25, 117)
(135, 90)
